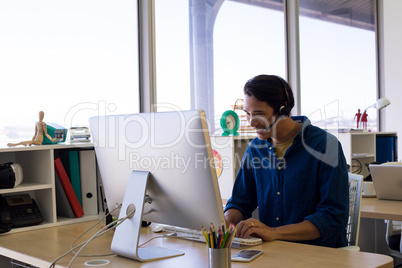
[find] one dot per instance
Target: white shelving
(360, 149)
(39, 180)
(231, 150)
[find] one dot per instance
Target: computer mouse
(157, 229)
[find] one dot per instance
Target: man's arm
(233, 216)
(305, 230)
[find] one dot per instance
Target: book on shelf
(68, 188)
(89, 187)
(62, 205)
(70, 160)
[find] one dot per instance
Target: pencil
(231, 238)
(224, 239)
(204, 233)
(213, 234)
(213, 240)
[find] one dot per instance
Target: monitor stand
(126, 238)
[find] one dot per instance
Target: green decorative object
(230, 123)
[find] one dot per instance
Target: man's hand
(253, 227)
(293, 232)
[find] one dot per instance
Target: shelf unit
(231, 150)
(360, 149)
(37, 163)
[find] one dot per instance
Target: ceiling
(355, 13)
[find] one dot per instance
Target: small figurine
(364, 120)
(358, 115)
(37, 139)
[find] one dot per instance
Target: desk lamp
(380, 103)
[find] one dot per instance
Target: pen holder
(219, 258)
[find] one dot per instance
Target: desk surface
(41, 247)
(375, 208)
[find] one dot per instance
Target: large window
(248, 41)
(206, 52)
(71, 59)
(172, 54)
(338, 62)
(77, 59)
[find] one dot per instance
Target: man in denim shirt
(294, 172)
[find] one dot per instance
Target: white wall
(390, 44)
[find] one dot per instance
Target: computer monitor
(166, 156)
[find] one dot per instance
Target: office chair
(393, 238)
(355, 195)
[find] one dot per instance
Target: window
(338, 62)
(71, 59)
(248, 41)
(172, 54)
(205, 54)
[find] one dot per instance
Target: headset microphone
(273, 123)
(281, 115)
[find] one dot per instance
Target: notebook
(387, 180)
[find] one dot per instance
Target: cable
(100, 232)
(172, 235)
(94, 255)
(52, 265)
(356, 168)
(109, 227)
(160, 236)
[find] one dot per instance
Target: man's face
(259, 115)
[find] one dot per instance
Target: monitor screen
(174, 147)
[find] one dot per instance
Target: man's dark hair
(273, 90)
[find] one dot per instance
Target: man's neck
(287, 129)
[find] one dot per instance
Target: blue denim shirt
(309, 183)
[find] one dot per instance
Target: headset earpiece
(282, 110)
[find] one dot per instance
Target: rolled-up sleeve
(332, 211)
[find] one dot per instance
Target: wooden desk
(41, 247)
(374, 208)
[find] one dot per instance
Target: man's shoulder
(317, 137)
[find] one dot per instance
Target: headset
(284, 109)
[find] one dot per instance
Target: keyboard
(196, 235)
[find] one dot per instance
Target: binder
(71, 164)
(68, 188)
(62, 204)
(88, 182)
(385, 149)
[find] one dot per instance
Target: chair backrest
(355, 195)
